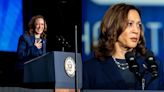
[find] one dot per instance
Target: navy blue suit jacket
(106, 75)
(27, 50)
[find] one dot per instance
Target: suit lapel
(44, 45)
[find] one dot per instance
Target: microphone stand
(143, 82)
(141, 79)
(63, 49)
(76, 51)
(61, 41)
(144, 86)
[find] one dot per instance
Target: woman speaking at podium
(121, 31)
(33, 42)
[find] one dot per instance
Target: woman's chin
(132, 45)
(39, 33)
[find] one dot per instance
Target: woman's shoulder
(28, 36)
(91, 60)
(94, 65)
(25, 36)
(91, 65)
(96, 61)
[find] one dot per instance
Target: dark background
(61, 17)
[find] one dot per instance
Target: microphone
(60, 38)
(133, 66)
(63, 41)
(151, 62)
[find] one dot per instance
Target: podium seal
(69, 66)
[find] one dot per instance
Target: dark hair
(31, 26)
(113, 24)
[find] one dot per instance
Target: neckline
(121, 65)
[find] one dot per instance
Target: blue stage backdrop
(152, 12)
(11, 24)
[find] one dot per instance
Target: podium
(55, 70)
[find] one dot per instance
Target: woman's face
(131, 35)
(39, 26)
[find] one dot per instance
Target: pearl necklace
(122, 66)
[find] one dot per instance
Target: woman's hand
(38, 44)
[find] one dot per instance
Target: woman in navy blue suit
(121, 32)
(33, 43)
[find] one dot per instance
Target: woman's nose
(136, 29)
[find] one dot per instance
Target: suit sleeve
(161, 75)
(85, 77)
